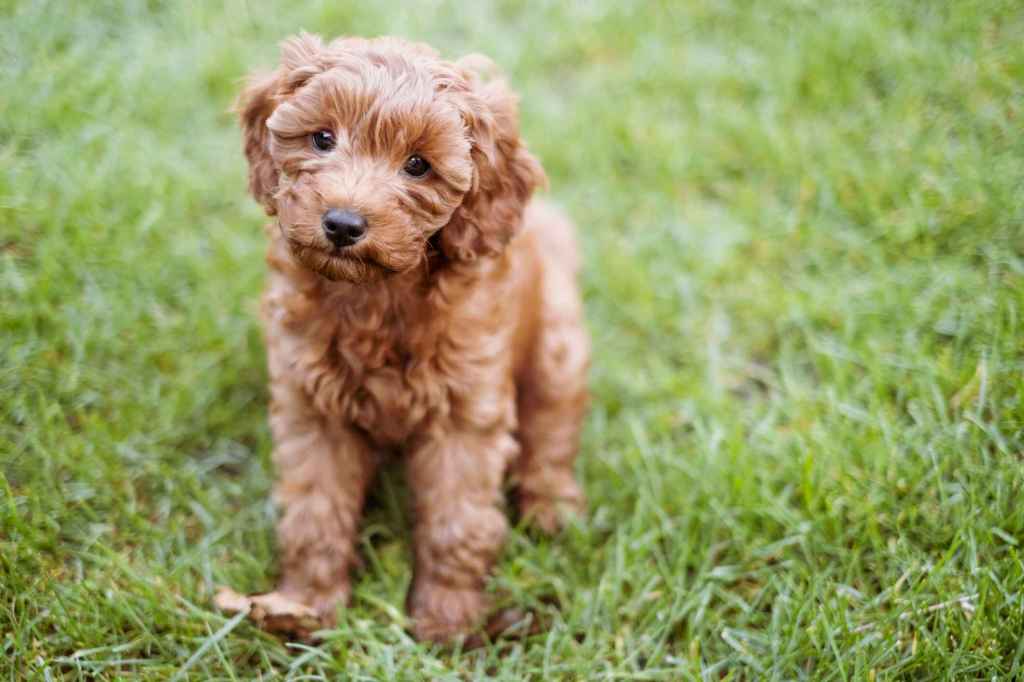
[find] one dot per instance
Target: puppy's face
(371, 164)
(366, 149)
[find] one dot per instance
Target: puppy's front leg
(456, 478)
(323, 472)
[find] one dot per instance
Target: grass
(804, 235)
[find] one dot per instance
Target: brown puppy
(417, 302)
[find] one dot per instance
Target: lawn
(804, 235)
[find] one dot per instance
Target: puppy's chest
(380, 373)
(391, 393)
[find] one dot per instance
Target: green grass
(804, 236)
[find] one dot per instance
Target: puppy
(417, 303)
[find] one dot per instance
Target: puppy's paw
(551, 513)
(284, 612)
(441, 613)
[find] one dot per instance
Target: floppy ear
(301, 59)
(254, 107)
(504, 174)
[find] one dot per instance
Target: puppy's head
(366, 149)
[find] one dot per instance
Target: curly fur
(452, 334)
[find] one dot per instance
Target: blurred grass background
(804, 235)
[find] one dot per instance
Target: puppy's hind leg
(551, 403)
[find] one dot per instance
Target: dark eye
(324, 140)
(416, 166)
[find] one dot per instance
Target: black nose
(343, 228)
